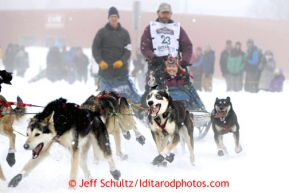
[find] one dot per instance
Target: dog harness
(163, 127)
(227, 128)
(5, 106)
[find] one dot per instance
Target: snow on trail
(262, 166)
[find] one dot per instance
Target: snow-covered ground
(262, 166)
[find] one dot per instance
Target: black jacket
(111, 45)
(224, 62)
(81, 63)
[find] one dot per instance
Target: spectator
(224, 63)
(63, 53)
(21, 62)
(81, 61)
(69, 66)
(251, 67)
(276, 84)
(8, 58)
(112, 50)
(236, 63)
(208, 68)
(54, 67)
(267, 68)
(140, 69)
(197, 69)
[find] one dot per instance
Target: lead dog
(7, 117)
(117, 115)
(74, 128)
(224, 120)
(168, 118)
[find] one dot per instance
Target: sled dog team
(77, 127)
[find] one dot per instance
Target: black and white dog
(168, 118)
(224, 120)
(71, 126)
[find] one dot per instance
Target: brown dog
(117, 115)
(7, 117)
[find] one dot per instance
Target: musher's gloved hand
(117, 64)
(5, 77)
(103, 65)
(157, 61)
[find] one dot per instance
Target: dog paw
(11, 159)
(124, 157)
(163, 164)
(170, 158)
(141, 139)
(238, 150)
(126, 135)
(221, 153)
(159, 159)
(15, 181)
(115, 174)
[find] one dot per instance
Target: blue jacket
(208, 62)
(199, 62)
(253, 59)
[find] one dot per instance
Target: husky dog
(7, 117)
(224, 120)
(168, 118)
(74, 128)
(117, 115)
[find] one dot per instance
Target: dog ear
(166, 89)
(30, 120)
(228, 99)
(154, 87)
(49, 119)
(217, 98)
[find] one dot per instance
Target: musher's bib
(165, 38)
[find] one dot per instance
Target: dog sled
(202, 122)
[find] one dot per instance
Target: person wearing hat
(111, 49)
(224, 63)
(251, 67)
(180, 87)
(161, 38)
(197, 69)
(276, 85)
(208, 68)
(236, 63)
(267, 69)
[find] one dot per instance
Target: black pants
(197, 80)
(251, 82)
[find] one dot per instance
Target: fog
(277, 9)
(208, 21)
(39, 25)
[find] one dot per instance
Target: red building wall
(80, 27)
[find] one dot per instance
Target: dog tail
(100, 133)
(20, 110)
(190, 126)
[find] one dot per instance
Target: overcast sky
(238, 8)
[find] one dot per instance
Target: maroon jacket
(185, 45)
(178, 80)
